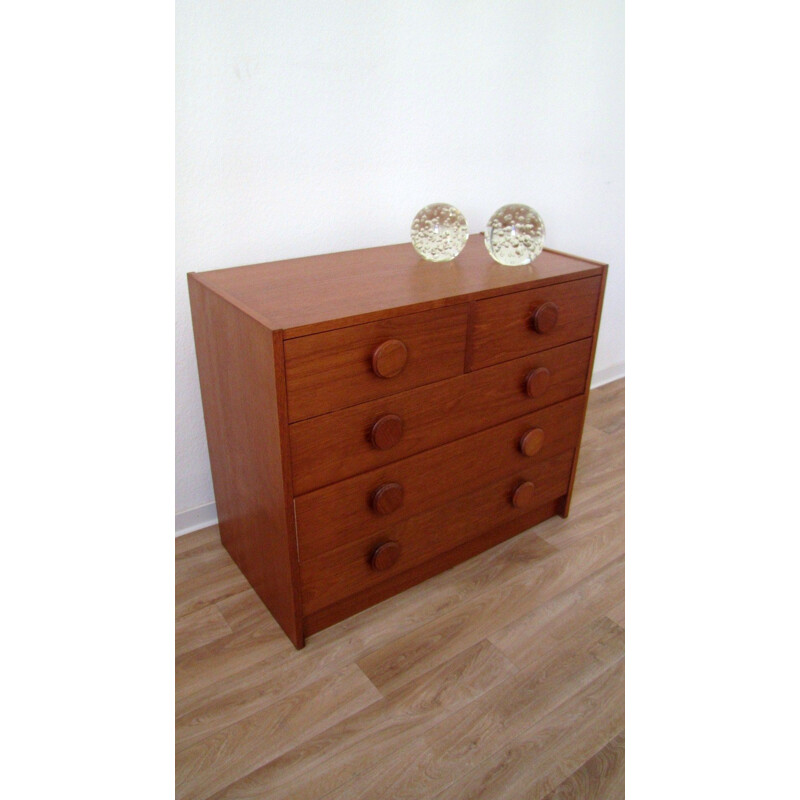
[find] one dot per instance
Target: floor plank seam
(540, 722)
(502, 677)
(490, 588)
(436, 718)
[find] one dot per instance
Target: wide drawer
(364, 563)
(339, 368)
(342, 512)
(515, 324)
(330, 448)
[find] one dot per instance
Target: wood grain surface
(471, 403)
(602, 777)
(346, 570)
(262, 375)
(336, 514)
(502, 327)
(500, 678)
(375, 732)
(240, 363)
(386, 432)
(316, 293)
(595, 333)
(389, 358)
(399, 581)
(336, 369)
(433, 760)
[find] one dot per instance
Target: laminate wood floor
(501, 678)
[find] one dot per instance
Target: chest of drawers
(373, 419)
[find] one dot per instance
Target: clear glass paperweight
(514, 235)
(439, 232)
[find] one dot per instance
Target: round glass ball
(439, 232)
(514, 235)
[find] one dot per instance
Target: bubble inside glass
(514, 235)
(439, 232)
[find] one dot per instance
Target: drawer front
(336, 446)
(527, 322)
(342, 512)
(364, 563)
(340, 368)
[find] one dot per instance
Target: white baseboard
(201, 517)
(602, 376)
(195, 518)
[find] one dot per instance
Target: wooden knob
(531, 441)
(545, 318)
(537, 381)
(385, 555)
(387, 498)
(524, 495)
(389, 358)
(386, 432)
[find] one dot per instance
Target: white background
(312, 127)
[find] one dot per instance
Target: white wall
(311, 127)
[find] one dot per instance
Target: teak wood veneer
(374, 419)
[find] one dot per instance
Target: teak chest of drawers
(374, 419)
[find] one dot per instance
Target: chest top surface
(308, 295)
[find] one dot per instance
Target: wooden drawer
(366, 503)
(330, 448)
(343, 367)
(298, 360)
(360, 565)
(513, 325)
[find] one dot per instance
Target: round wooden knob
(387, 498)
(524, 495)
(545, 318)
(386, 432)
(531, 441)
(389, 358)
(537, 381)
(385, 555)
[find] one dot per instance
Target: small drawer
(362, 564)
(513, 325)
(339, 368)
(342, 512)
(335, 446)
